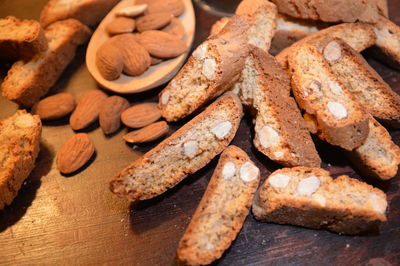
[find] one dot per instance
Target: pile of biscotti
(318, 85)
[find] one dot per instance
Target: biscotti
(363, 82)
(340, 119)
(358, 35)
(261, 16)
(21, 39)
(212, 69)
(378, 157)
(290, 30)
(334, 10)
(19, 147)
(88, 12)
(222, 210)
(280, 132)
(388, 41)
(309, 197)
(184, 152)
(27, 81)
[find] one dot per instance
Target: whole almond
(121, 25)
(74, 153)
(110, 113)
(175, 28)
(149, 133)
(161, 44)
(109, 61)
(87, 110)
(136, 59)
(153, 21)
(175, 7)
(132, 11)
(55, 106)
(141, 115)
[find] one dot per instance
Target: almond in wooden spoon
(141, 115)
(74, 153)
(153, 21)
(121, 25)
(149, 133)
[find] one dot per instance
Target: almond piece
(136, 59)
(87, 110)
(132, 11)
(121, 25)
(155, 60)
(153, 21)
(110, 113)
(175, 7)
(141, 115)
(149, 133)
(161, 44)
(74, 153)
(55, 106)
(109, 61)
(175, 27)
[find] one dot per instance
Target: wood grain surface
(75, 219)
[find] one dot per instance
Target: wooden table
(76, 219)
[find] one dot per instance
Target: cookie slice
(27, 81)
(340, 118)
(222, 210)
(261, 16)
(379, 156)
(19, 148)
(184, 152)
(388, 41)
(358, 35)
(367, 86)
(309, 197)
(211, 70)
(280, 132)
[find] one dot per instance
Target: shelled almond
(149, 133)
(141, 115)
(110, 113)
(55, 106)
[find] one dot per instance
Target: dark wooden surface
(76, 220)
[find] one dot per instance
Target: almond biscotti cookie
(358, 35)
(280, 132)
(21, 39)
(340, 118)
(261, 16)
(379, 156)
(88, 12)
(184, 152)
(27, 81)
(222, 210)
(334, 10)
(363, 82)
(211, 70)
(388, 41)
(309, 197)
(19, 147)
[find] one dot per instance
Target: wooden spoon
(153, 77)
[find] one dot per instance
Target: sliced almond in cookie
(141, 115)
(149, 133)
(121, 25)
(176, 7)
(161, 44)
(153, 21)
(55, 106)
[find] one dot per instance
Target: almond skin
(161, 44)
(110, 113)
(55, 106)
(87, 110)
(136, 59)
(74, 153)
(149, 133)
(121, 25)
(153, 21)
(141, 115)
(109, 61)
(175, 7)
